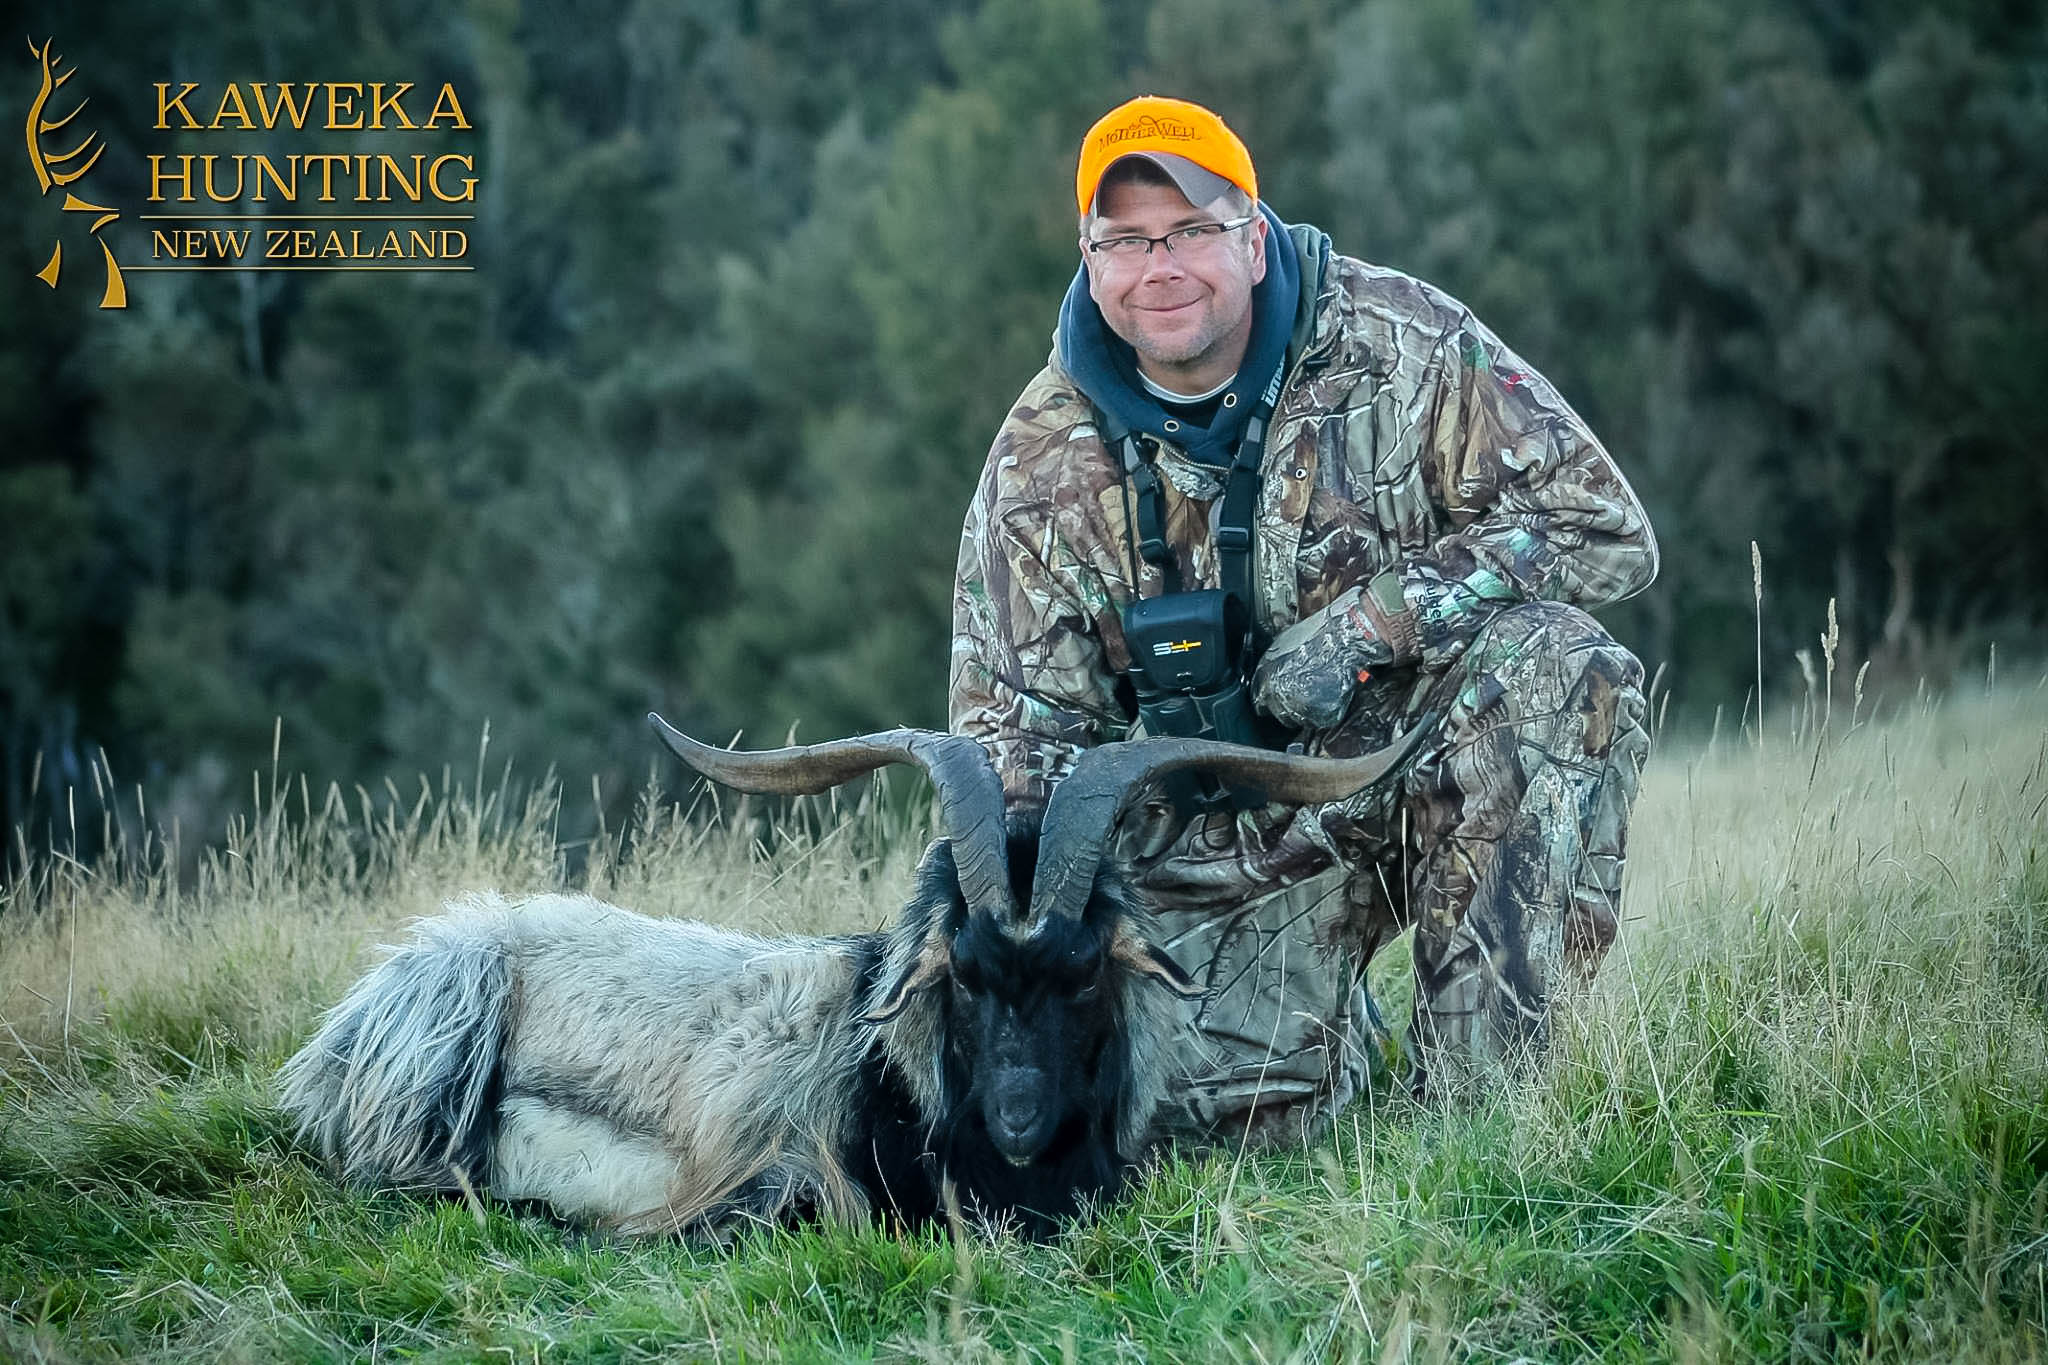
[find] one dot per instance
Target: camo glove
(1309, 673)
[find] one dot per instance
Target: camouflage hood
(1103, 366)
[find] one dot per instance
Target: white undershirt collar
(1166, 395)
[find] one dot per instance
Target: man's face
(1188, 314)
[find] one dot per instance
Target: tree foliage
(757, 281)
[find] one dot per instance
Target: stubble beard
(1185, 352)
(1164, 355)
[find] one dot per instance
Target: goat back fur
(661, 1075)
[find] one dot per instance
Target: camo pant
(1501, 840)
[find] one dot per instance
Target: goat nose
(1019, 1109)
(1016, 1114)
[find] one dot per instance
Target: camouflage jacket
(1406, 437)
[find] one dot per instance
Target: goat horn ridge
(970, 792)
(1085, 807)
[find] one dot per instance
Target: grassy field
(1801, 1117)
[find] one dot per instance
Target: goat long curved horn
(970, 792)
(1084, 808)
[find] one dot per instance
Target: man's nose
(1161, 263)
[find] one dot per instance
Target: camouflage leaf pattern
(1407, 438)
(1502, 842)
(1307, 676)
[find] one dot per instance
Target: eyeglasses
(1193, 240)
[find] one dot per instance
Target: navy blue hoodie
(1105, 368)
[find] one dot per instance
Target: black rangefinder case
(1186, 668)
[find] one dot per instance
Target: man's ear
(1149, 960)
(926, 970)
(1258, 245)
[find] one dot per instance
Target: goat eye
(1089, 991)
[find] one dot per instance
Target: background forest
(758, 278)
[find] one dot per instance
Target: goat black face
(1035, 1032)
(1034, 1029)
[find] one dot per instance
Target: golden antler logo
(50, 177)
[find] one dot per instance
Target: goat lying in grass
(1008, 1036)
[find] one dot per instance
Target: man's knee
(1554, 639)
(1538, 659)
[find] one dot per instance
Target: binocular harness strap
(1234, 518)
(1150, 529)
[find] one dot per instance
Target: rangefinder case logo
(269, 210)
(57, 170)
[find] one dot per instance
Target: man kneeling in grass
(1257, 471)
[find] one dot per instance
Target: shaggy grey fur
(647, 1072)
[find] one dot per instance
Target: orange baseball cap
(1188, 142)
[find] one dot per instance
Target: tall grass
(1800, 1116)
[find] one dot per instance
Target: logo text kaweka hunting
(347, 197)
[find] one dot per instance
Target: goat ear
(1150, 960)
(926, 970)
